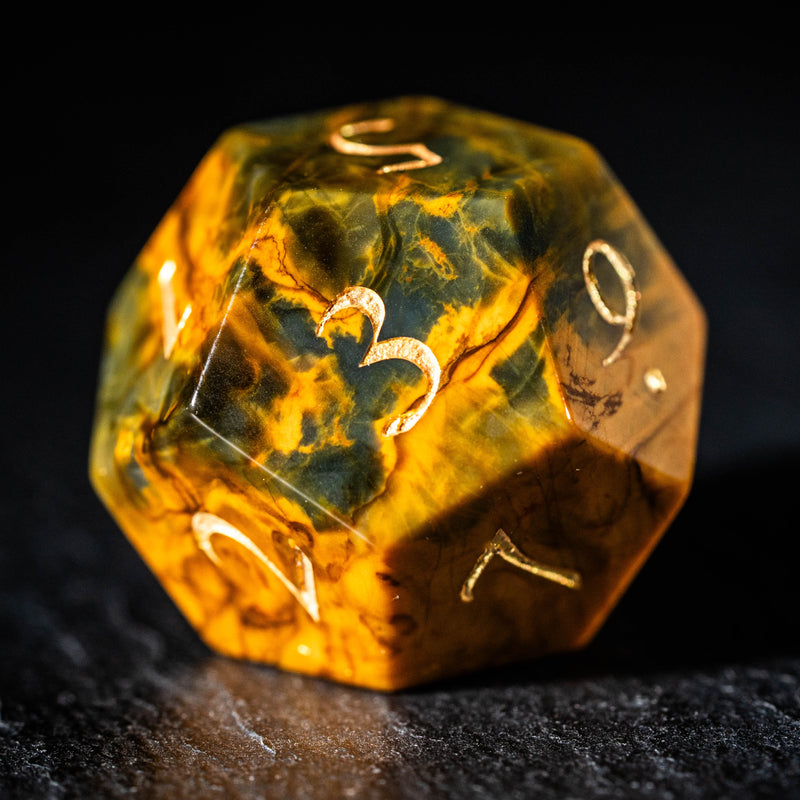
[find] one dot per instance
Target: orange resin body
(242, 444)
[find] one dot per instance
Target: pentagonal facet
(346, 412)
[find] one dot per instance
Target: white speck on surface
(251, 734)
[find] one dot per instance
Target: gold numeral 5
(418, 353)
(205, 525)
(340, 141)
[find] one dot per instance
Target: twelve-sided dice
(398, 391)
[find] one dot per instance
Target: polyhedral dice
(398, 391)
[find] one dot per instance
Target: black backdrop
(691, 689)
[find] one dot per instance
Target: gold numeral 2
(501, 545)
(403, 347)
(205, 525)
(627, 276)
(340, 141)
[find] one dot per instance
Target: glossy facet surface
(547, 400)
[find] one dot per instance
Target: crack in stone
(451, 365)
(280, 249)
(578, 390)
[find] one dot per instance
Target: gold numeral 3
(418, 353)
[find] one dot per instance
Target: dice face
(397, 391)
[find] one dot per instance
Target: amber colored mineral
(398, 391)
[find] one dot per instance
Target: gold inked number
(341, 142)
(418, 353)
(170, 325)
(501, 545)
(627, 276)
(205, 525)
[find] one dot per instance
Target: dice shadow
(720, 588)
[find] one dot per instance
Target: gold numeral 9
(627, 276)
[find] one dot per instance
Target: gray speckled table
(692, 690)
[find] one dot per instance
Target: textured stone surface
(106, 691)
(285, 489)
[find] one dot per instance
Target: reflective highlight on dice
(398, 391)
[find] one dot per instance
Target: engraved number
(501, 545)
(170, 324)
(418, 353)
(627, 276)
(340, 141)
(205, 525)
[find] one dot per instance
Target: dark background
(693, 687)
